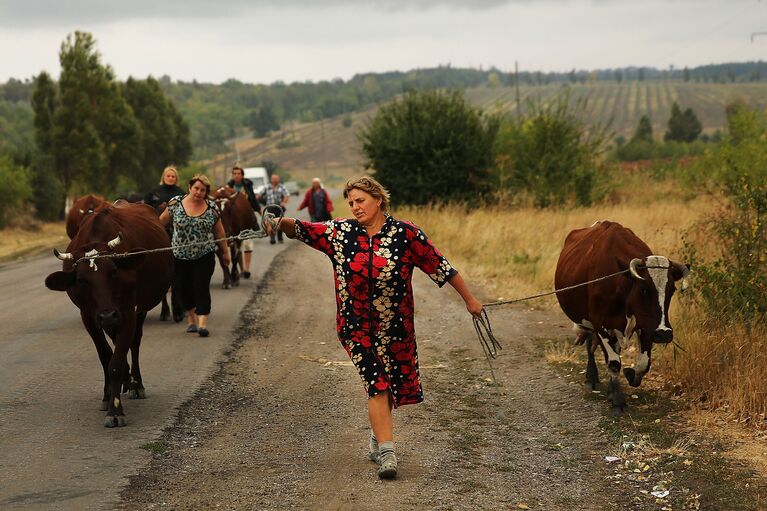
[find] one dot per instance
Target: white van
(258, 175)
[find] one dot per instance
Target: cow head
(97, 282)
(653, 284)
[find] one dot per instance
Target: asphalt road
(54, 451)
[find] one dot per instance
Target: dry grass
(17, 242)
(513, 253)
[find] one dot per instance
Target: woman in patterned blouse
(373, 257)
(196, 224)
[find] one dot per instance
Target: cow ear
(60, 280)
(130, 262)
(679, 270)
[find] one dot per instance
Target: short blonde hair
(166, 169)
(371, 186)
(202, 178)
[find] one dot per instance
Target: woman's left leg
(379, 413)
(202, 274)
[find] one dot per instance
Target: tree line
(216, 113)
(92, 133)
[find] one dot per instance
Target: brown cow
(236, 216)
(81, 208)
(115, 294)
(609, 312)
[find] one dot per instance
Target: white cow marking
(657, 267)
(611, 355)
(642, 363)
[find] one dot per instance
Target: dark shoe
(203, 332)
(246, 274)
(191, 329)
(272, 242)
(178, 317)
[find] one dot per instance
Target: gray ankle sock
(386, 448)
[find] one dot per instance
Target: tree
(88, 132)
(430, 147)
(49, 190)
(164, 134)
(682, 126)
(643, 132)
(263, 120)
(618, 75)
(554, 154)
(16, 187)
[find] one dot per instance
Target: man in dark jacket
(240, 183)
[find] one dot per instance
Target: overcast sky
(262, 41)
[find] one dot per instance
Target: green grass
(155, 447)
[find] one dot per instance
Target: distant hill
(217, 113)
(328, 149)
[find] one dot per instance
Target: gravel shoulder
(282, 424)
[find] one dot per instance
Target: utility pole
(516, 83)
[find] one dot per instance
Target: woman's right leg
(185, 289)
(203, 271)
(379, 413)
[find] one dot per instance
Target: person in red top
(373, 257)
(318, 201)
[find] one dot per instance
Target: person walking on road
(158, 198)
(276, 194)
(373, 256)
(318, 201)
(166, 190)
(240, 183)
(196, 225)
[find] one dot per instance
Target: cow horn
(634, 268)
(113, 243)
(685, 273)
(65, 256)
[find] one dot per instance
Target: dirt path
(282, 425)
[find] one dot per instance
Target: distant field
(624, 103)
(328, 149)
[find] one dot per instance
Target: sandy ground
(283, 424)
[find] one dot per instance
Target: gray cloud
(58, 12)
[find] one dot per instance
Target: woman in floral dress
(373, 256)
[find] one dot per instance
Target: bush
(732, 282)
(17, 189)
(552, 154)
(431, 147)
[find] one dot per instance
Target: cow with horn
(608, 313)
(111, 278)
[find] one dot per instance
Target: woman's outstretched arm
(473, 305)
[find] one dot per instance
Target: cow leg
(104, 351)
(175, 303)
(641, 367)
(613, 361)
(224, 269)
(165, 310)
(234, 250)
(592, 374)
(117, 371)
(136, 386)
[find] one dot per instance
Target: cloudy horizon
(300, 40)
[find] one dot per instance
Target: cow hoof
(614, 366)
(104, 406)
(136, 394)
(590, 385)
(618, 411)
(225, 286)
(177, 317)
(164, 317)
(115, 421)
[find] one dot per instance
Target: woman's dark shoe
(246, 274)
(191, 329)
(203, 332)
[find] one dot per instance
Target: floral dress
(374, 297)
